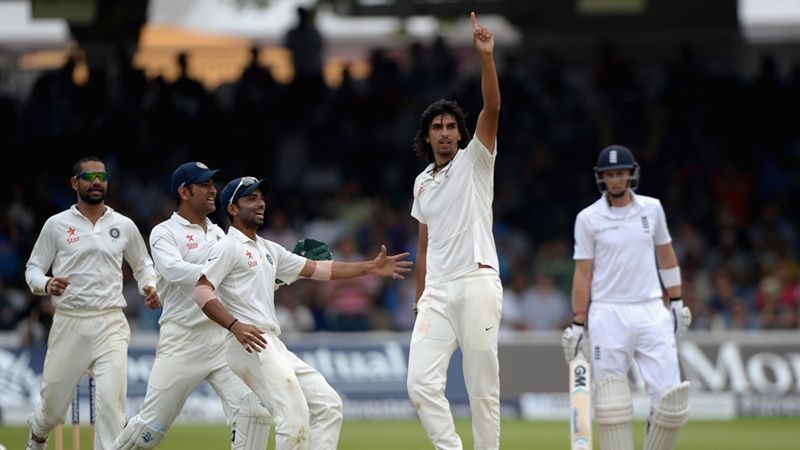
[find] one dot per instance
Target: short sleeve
(416, 210)
(221, 262)
(289, 265)
(661, 231)
(584, 243)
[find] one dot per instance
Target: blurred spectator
(15, 304)
(293, 315)
(513, 294)
(279, 231)
(544, 307)
(726, 300)
(350, 302)
(305, 43)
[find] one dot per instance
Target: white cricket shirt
(90, 257)
(180, 249)
(622, 248)
(456, 205)
(243, 272)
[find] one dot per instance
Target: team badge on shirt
(190, 243)
(71, 237)
(114, 232)
(251, 262)
(645, 224)
(269, 258)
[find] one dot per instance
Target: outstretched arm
(486, 128)
(393, 266)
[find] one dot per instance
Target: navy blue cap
(242, 186)
(190, 172)
(615, 157)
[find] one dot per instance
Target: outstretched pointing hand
(482, 38)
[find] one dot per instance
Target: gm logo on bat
(579, 373)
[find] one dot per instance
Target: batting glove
(681, 317)
(313, 250)
(574, 342)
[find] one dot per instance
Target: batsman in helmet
(623, 262)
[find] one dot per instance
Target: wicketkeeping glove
(574, 342)
(681, 317)
(313, 250)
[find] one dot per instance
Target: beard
(251, 221)
(92, 200)
(619, 194)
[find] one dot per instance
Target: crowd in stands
(719, 147)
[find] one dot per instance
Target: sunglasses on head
(245, 181)
(91, 176)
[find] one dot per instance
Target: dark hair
(78, 166)
(422, 148)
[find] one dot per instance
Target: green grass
(740, 434)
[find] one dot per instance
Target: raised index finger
(474, 21)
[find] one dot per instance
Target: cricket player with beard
(459, 294)
(190, 346)
(242, 269)
(623, 257)
(85, 246)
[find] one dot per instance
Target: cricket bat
(580, 404)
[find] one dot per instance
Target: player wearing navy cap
(190, 347)
(236, 290)
(623, 257)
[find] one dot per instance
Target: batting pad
(251, 425)
(613, 414)
(668, 418)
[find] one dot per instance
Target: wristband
(675, 299)
(47, 283)
(670, 277)
(575, 322)
(322, 270)
(232, 323)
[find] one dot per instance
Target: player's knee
(667, 418)
(673, 409)
(252, 406)
(333, 411)
(420, 391)
(613, 404)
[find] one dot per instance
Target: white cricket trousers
(464, 312)
(80, 340)
(620, 333)
(306, 410)
(184, 358)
